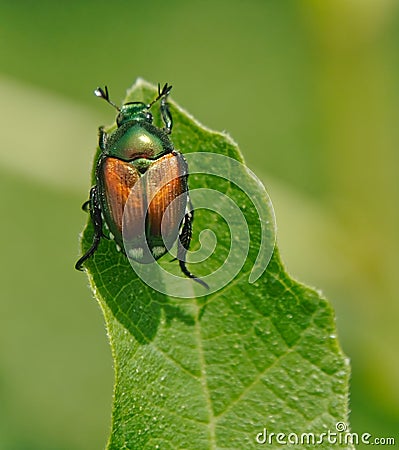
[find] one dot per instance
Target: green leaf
(213, 370)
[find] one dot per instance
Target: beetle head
(137, 111)
(134, 111)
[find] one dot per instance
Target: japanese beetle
(159, 211)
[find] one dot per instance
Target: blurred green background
(309, 90)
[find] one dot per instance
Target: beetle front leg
(102, 138)
(96, 218)
(166, 115)
(183, 245)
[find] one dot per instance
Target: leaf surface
(213, 371)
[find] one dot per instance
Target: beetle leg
(166, 115)
(183, 244)
(95, 213)
(186, 239)
(86, 206)
(102, 141)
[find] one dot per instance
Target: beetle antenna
(99, 92)
(164, 92)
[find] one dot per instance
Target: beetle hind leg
(183, 245)
(95, 213)
(191, 275)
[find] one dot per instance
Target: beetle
(155, 208)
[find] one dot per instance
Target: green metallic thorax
(134, 140)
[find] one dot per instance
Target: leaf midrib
(203, 379)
